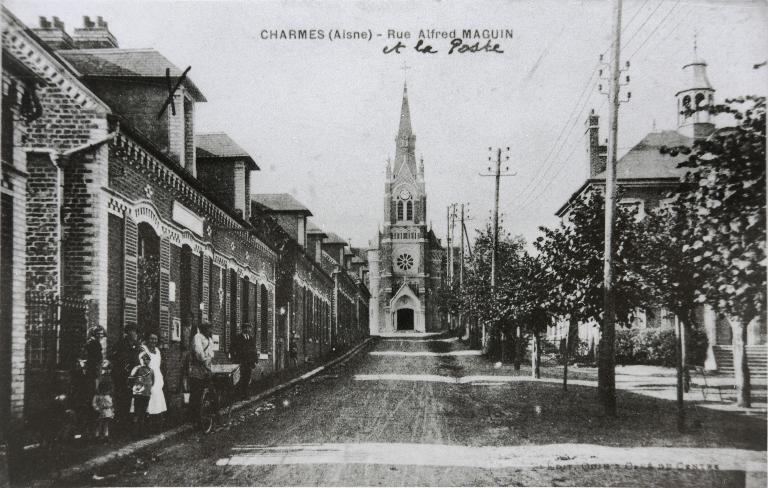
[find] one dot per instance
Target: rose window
(405, 262)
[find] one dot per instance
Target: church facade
(406, 266)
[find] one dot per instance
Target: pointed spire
(405, 129)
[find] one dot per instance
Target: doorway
(405, 319)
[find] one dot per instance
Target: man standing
(199, 368)
(124, 357)
(244, 354)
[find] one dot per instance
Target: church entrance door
(405, 319)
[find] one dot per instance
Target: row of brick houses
(115, 212)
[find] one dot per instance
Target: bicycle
(218, 392)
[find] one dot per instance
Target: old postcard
(399, 243)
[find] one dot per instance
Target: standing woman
(157, 397)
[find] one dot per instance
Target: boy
(142, 380)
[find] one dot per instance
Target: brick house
(645, 178)
(118, 220)
(52, 127)
(319, 301)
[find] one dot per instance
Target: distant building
(646, 177)
(406, 264)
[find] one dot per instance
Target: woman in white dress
(156, 398)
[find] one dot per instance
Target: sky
(320, 117)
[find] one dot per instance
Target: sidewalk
(89, 457)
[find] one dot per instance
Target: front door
(405, 319)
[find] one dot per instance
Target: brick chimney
(597, 154)
(94, 35)
(53, 33)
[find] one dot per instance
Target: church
(406, 265)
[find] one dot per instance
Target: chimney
(596, 153)
(94, 35)
(53, 34)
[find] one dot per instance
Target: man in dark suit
(124, 356)
(244, 353)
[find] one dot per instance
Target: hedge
(657, 346)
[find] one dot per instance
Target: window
(264, 317)
(634, 204)
(699, 99)
(405, 261)
(399, 210)
(409, 210)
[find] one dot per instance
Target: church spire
(405, 140)
(405, 130)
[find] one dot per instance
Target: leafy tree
(572, 257)
(723, 205)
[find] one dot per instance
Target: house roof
(281, 203)
(334, 239)
(314, 229)
(643, 164)
(645, 161)
(218, 145)
(125, 63)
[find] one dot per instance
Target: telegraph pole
(495, 249)
(607, 359)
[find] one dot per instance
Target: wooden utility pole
(461, 254)
(607, 360)
(449, 264)
(495, 249)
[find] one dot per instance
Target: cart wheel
(207, 411)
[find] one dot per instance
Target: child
(142, 380)
(102, 403)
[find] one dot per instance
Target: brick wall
(218, 177)
(42, 223)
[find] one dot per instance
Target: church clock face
(405, 195)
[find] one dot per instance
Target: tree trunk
(536, 356)
(518, 348)
(679, 359)
(740, 365)
(566, 356)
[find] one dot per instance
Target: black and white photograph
(383, 243)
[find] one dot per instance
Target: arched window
(699, 99)
(686, 102)
(409, 210)
(399, 210)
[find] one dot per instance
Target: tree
(572, 257)
(668, 275)
(724, 200)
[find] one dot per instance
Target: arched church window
(409, 210)
(687, 102)
(399, 210)
(699, 99)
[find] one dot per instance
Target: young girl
(142, 380)
(102, 403)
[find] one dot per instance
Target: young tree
(668, 275)
(572, 255)
(724, 232)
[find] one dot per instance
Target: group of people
(129, 380)
(126, 386)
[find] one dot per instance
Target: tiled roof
(125, 63)
(334, 239)
(220, 145)
(280, 202)
(645, 161)
(314, 229)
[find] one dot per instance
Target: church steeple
(405, 141)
